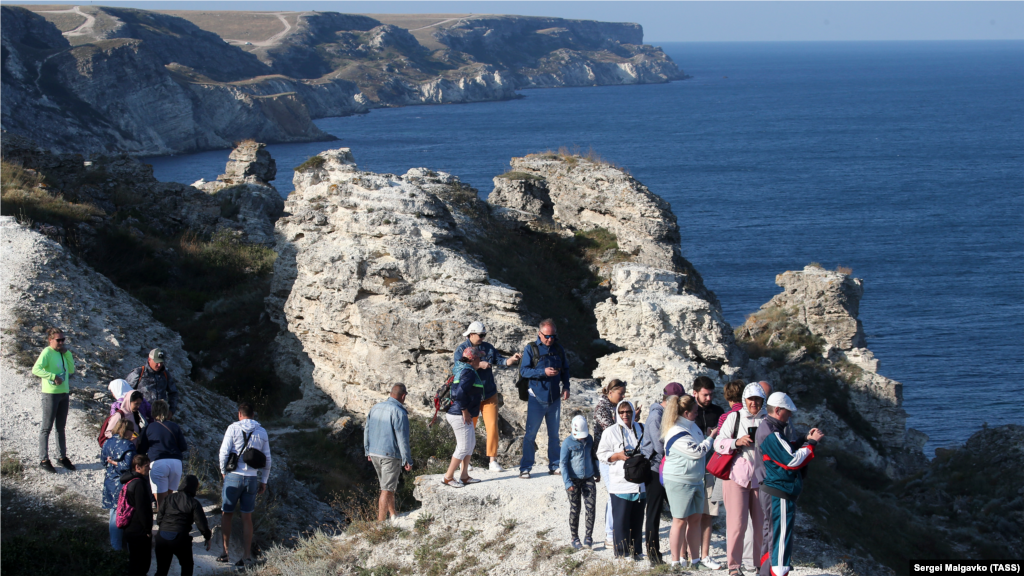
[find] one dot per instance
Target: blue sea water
(902, 161)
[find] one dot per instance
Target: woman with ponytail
(685, 450)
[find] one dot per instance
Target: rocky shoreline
(376, 276)
(149, 83)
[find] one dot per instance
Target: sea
(901, 160)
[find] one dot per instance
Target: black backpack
(637, 468)
(523, 383)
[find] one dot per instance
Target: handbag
(720, 465)
(252, 457)
(637, 468)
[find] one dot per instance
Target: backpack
(637, 468)
(252, 457)
(668, 446)
(102, 437)
(443, 397)
(523, 383)
(124, 509)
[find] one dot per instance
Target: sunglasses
(548, 336)
(626, 412)
(58, 339)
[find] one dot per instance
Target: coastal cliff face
(102, 80)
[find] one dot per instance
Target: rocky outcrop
(813, 323)
(249, 163)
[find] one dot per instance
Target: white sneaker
(707, 561)
(495, 467)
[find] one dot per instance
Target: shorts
(239, 490)
(164, 475)
(465, 436)
(684, 499)
(388, 470)
(711, 507)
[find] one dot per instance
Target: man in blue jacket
(386, 445)
(547, 368)
(783, 460)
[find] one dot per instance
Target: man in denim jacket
(386, 444)
(549, 385)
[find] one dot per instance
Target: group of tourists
(142, 450)
(689, 453)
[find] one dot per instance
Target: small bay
(901, 160)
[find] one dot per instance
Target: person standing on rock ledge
(386, 445)
(242, 482)
(475, 335)
(654, 449)
(54, 368)
(546, 366)
(708, 415)
(784, 461)
(154, 380)
(467, 391)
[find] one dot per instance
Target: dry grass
(844, 270)
(514, 175)
(10, 464)
(317, 554)
(375, 532)
(21, 196)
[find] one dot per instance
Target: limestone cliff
(811, 341)
(144, 82)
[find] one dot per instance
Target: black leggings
(139, 552)
(652, 524)
(586, 491)
(180, 546)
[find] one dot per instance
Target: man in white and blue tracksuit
(783, 459)
(547, 368)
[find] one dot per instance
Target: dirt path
(273, 39)
(84, 29)
(438, 24)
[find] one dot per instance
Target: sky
(702, 21)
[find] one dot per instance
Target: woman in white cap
(475, 335)
(685, 451)
(740, 491)
(578, 470)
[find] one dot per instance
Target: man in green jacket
(54, 369)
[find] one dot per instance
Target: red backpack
(103, 431)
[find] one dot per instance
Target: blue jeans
(239, 490)
(551, 414)
(116, 534)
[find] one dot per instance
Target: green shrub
(313, 163)
(514, 175)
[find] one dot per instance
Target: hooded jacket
(467, 390)
(140, 497)
(180, 509)
(616, 439)
(684, 463)
(492, 357)
(745, 462)
(651, 446)
(543, 387)
(122, 451)
(234, 442)
(155, 385)
(577, 459)
(125, 411)
(782, 460)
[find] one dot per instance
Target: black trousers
(139, 553)
(181, 547)
(628, 533)
(652, 524)
(585, 490)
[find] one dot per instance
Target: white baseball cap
(475, 328)
(781, 400)
(753, 391)
(580, 429)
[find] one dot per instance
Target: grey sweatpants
(55, 409)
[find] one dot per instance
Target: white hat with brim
(580, 429)
(781, 400)
(475, 328)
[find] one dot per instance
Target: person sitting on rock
(783, 482)
(475, 335)
(155, 381)
(54, 368)
(579, 466)
(386, 445)
(467, 391)
(118, 388)
(546, 366)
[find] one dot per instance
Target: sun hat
(781, 400)
(753, 391)
(580, 429)
(475, 328)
